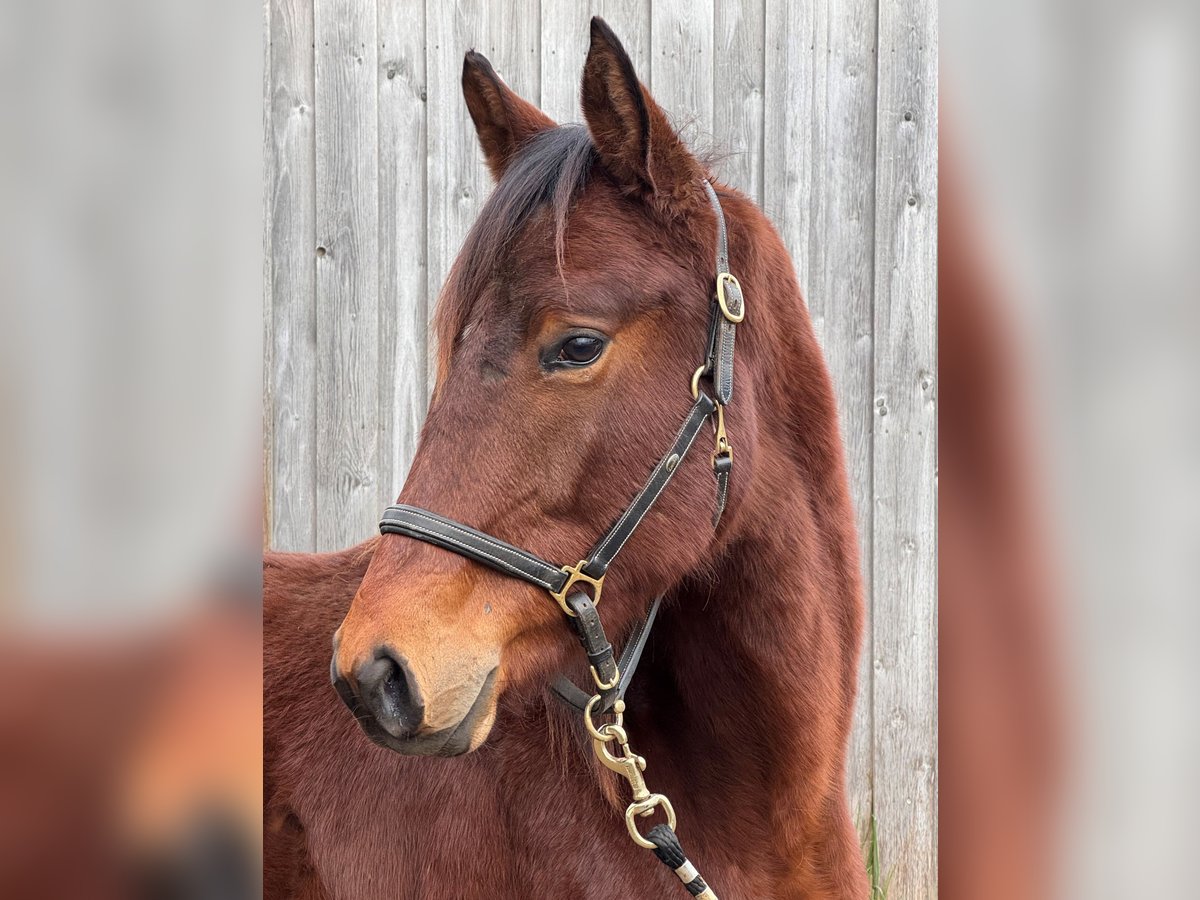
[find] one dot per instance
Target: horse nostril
(389, 692)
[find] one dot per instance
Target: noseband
(564, 583)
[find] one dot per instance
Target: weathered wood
(819, 175)
(905, 448)
(347, 272)
(681, 67)
(403, 289)
(508, 33)
(565, 36)
(290, 366)
(739, 64)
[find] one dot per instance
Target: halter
(563, 583)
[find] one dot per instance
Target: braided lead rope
(661, 838)
(670, 853)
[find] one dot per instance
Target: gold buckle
(575, 573)
(724, 278)
(616, 679)
(724, 448)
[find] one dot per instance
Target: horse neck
(761, 650)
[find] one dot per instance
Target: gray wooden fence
(828, 114)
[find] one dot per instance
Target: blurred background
(131, 383)
(1070, 514)
(130, 440)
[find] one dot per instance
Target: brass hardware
(724, 448)
(724, 278)
(629, 766)
(616, 679)
(575, 573)
(696, 381)
(645, 808)
(610, 730)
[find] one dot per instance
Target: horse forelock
(552, 168)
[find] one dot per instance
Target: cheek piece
(565, 583)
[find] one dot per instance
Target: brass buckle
(575, 574)
(616, 679)
(724, 448)
(724, 278)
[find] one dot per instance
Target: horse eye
(580, 350)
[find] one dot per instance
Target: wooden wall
(828, 114)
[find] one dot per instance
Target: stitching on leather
(726, 386)
(512, 567)
(520, 554)
(646, 509)
(722, 496)
(475, 551)
(616, 529)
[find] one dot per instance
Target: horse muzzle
(388, 702)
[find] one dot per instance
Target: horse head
(568, 332)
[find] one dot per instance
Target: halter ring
(575, 574)
(645, 808)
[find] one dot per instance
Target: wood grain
(347, 272)
(905, 448)
(739, 63)
(404, 303)
(291, 354)
(681, 67)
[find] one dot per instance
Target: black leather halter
(611, 676)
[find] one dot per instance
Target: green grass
(870, 846)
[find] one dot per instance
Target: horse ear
(503, 120)
(635, 140)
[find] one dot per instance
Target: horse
(568, 332)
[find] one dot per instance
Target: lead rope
(661, 838)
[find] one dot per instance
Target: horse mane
(552, 167)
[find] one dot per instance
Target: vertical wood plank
(681, 67)
(819, 177)
(905, 564)
(739, 59)
(290, 369)
(565, 38)
(509, 34)
(347, 271)
(403, 288)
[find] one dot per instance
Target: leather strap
(610, 545)
(466, 541)
(576, 697)
(594, 641)
(721, 351)
(722, 466)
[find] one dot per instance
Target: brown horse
(568, 331)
